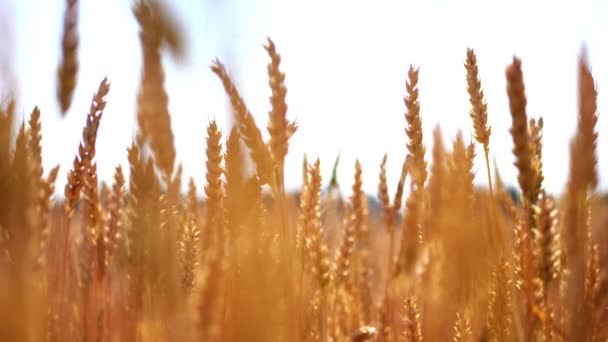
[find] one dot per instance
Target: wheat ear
(479, 109)
(462, 328)
(67, 72)
(279, 128)
(250, 133)
(519, 131)
(152, 101)
(213, 234)
(412, 325)
(415, 145)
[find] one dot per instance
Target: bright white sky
(346, 64)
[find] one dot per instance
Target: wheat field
(436, 259)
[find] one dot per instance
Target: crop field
(437, 258)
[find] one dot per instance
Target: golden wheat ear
(235, 182)
(114, 233)
(411, 236)
(83, 161)
(546, 241)
(214, 231)
(522, 148)
(586, 137)
(500, 311)
(383, 196)
(189, 255)
(462, 327)
(279, 128)
(153, 115)
(249, 131)
(318, 246)
(412, 324)
(580, 188)
(415, 145)
(67, 72)
(479, 109)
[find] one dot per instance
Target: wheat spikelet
(415, 146)
(114, 233)
(316, 260)
(188, 255)
(546, 240)
(23, 203)
(462, 328)
(35, 146)
(45, 204)
(361, 264)
(460, 166)
(110, 236)
(250, 133)
(523, 258)
(234, 161)
(582, 180)
(597, 290)
(586, 157)
(592, 276)
(86, 153)
(93, 243)
(88, 173)
(145, 224)
(67, 72)
(390, 211)
(19, 205)
(383, 196)
(22, 193)
(436, 188)
(455, 231)
(73, 186)
(304, 218)
(43, 188)
(316, 246)
(309, 220)
(214, 217)
(536, 136)
(522, 147)
(417, 167)
(343, 260)
(500, 312)
(21, 277)
(412, 330)
(479, 108)
(279, 128)
(398, 197)
(235, 182)
(411, 231)
(152, 101)
(358, 203)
